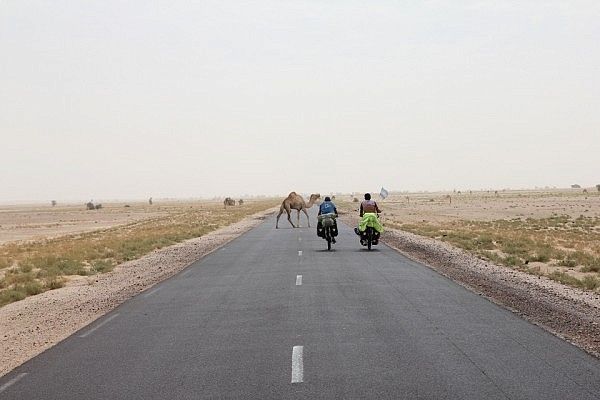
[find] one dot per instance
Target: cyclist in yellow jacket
(368, 212)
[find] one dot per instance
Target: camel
(296, 202)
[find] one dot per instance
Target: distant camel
(228, 202)
(241, 202)
(296, 202)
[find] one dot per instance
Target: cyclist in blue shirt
(327, 207)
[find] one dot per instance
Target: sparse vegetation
(34, 267)
(559, 241)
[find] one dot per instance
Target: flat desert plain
(42, 221)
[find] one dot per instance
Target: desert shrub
(583, 258)
(512, 261)
(5, 262)
(565, 278)
(32, 288)
(11, 295)
(590, 282)
(542, 254)
(517, 247)
(51, 265)
(25, 268)
(567, 262)
(492, 256)
(13, 277)
(100, 266)
(55, 283)
(485, 242)
(593, 267)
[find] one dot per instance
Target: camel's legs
(308, 219)
(281, 210)
(298, 218)
(289, 213)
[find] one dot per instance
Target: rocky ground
(30, 326)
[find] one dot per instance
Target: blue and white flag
(384, 193)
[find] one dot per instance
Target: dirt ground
(489, 206)
(34, 222)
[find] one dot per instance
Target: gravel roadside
(30, 326)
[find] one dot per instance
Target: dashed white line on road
(107, 320)
(150, 293)
(12, 381)
(298, 280)
(299, 239)
(299, 252)
(297, 364)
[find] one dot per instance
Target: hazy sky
(130, 99)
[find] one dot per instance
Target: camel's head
(314, 197)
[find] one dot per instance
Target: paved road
(242, 323)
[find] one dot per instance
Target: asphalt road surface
(273, 315)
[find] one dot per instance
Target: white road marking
(299, 252)
(297, 364)
(107, 320)
(12, 381)
(150, 293)
(299, 239)
(298, 280)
